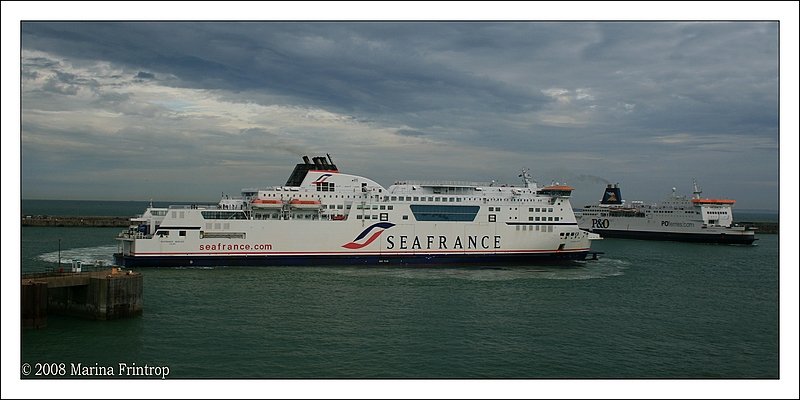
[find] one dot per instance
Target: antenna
(696, 192)
(526, 177)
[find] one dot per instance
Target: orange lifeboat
(305, 204)
(266, 203)
(713, 201)
(562, 188)
(557, 190)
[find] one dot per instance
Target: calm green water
(645, 310)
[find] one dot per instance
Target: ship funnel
(612, 195)
(306, 160)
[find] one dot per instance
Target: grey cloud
(57, 85)
(65, 77)
(410, 132)
(475, 85)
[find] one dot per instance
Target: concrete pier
(34, 304)
(103, 295)
(100, 222)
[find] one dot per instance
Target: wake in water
(86, 255)
(598, 269)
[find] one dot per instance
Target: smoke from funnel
(592, 178)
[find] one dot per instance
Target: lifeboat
(266, 203)
(305, 204)
(557, 190)
(562, 188)
(713, 201)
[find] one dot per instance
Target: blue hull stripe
(331, 260)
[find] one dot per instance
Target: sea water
(643, 310)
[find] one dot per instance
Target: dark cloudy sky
(187, 110)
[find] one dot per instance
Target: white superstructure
(323, 216)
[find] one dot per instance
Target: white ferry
(322, 216)
(677, 218)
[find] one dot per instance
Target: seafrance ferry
(322, 216)
(677, 218)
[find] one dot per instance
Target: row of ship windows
(537, 228)
(445, 217)
(383, 216)
(312, 216)
(422, 214)
(404, 198)
(315, 196)
(390, 207)
(374, 207)
(718, 212)
(544, 219)
(629, 214)
(209, 235)
(532, 209)
(616, 214)
(424, 198)
(454, 199)
(162, 234)
(240, 215)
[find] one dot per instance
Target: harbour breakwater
(89, 221)
(762, 227)
(100, 222)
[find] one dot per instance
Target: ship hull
(352, 260)
(719, 238)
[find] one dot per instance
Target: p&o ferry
(322, 216)
(677, 218)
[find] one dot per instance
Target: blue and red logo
(380, 226)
